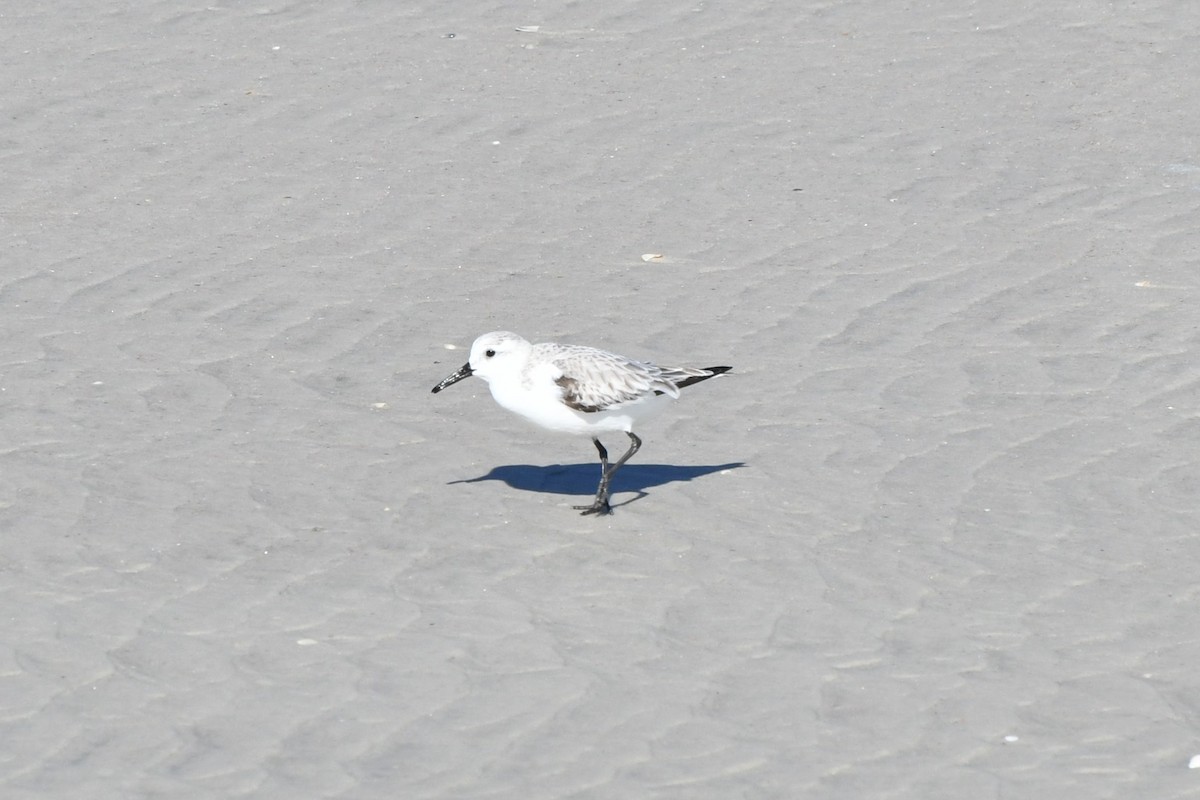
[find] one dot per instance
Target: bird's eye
(489, 353)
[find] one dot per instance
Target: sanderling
(575, 389)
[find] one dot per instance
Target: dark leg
(594, 507)
(600, 504)
(603, 455)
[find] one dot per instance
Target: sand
(936, 537)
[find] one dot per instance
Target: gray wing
(594, 380)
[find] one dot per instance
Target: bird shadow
(581, 479)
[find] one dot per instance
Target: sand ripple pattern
(936, 538)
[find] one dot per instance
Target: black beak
(450, 380)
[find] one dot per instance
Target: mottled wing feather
(572, 395)
(593, 380)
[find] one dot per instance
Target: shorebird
(576, 389)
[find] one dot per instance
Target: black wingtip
(712, 373)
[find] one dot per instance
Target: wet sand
(936, 537)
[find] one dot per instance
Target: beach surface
(936, 536)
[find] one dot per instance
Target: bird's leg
(597, 506)
(600, 504)
(603, 455)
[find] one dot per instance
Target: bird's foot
(600, 508)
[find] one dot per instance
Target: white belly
(547, 410)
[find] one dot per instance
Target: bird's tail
(707, 372)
